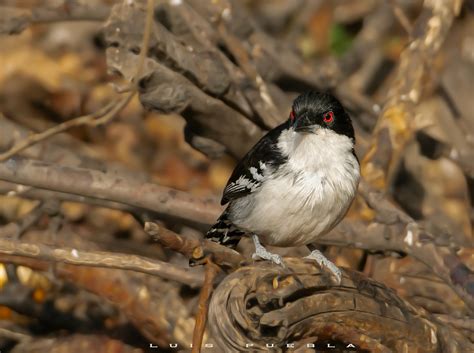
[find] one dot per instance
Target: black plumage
(263, 154)
(312, 105)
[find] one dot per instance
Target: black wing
(248, 174)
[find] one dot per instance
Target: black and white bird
(295, 184)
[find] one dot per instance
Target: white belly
(295, 210)
(307, 196)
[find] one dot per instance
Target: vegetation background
(121, 121)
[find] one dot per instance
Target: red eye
(292, 116)
(328, 117)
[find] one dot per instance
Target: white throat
(314, 151)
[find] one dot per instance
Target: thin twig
(40, 136)
(17, 228)
(394, 230)
(463, 324)
(401, 17)
(102, 116)
(203, 307)
(13, 335)
(193, 248)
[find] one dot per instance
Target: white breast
(307, 196)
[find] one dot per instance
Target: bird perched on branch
(295, 184)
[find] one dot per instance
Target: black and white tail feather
(224, 232)
(246, 179)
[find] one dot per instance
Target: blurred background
(217, 75)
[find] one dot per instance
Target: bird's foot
(324, 262)
(262, 253)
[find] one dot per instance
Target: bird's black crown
(322, 109)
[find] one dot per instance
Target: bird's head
(313, 111)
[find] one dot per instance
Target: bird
(295, 184)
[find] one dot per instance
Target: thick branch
(411, 240)
(28, 192)
(153, 305)
(111, 187)
(394, 230)
(101, 259)
(15, 20)
(264, 304)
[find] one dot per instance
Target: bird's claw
(262, 253)
(275, 258)
(323, 262)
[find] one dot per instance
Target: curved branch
(263, 305)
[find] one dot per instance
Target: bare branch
(265, 304)
(203, 306)
(103, 115)
(110, 186)
(101, 259)
(15, 20)
(394, 230)
(158, 311)
(193, 248)
(16, 229)
(13, 335)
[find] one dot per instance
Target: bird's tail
(225, 232)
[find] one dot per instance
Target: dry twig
(212, 68)
(203, 306)
(193, 248)
(13, 335)
(103, 115)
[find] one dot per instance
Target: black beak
(303, 124)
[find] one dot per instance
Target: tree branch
(103, 115)
(203, 306)
(193, 248)
(105, 185)
(101, 259)
(263, 304)
(15, 20)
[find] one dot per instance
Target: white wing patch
(255, 175)
(247, 183)
(241, 184)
